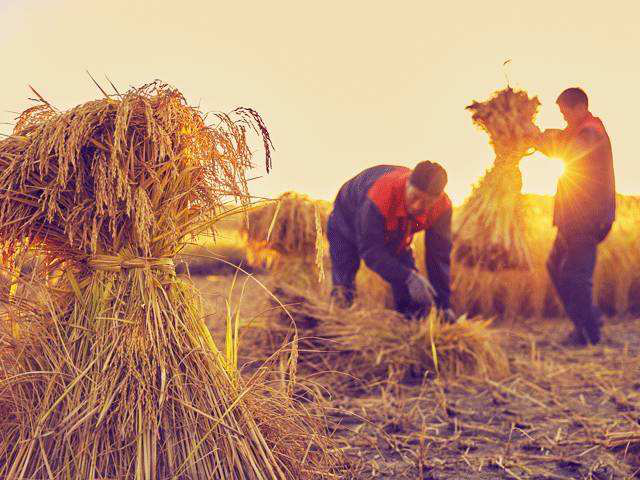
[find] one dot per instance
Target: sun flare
(540, 174)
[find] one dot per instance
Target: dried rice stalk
(622, 439)
(529, 293)
(489, 226)
(617, 278)
(118, 376)
(507, 117)
(377, 343)
(287, 230)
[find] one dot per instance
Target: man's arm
(437, 244)
(549, 142)
(372, 247)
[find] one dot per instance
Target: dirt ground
(562, 414)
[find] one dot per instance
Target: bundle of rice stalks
(287, 231)
(507, 117)
(292, 285)
(488, 227)
(529, 293)
(118, 377)
(510, 292)
(379, 343)
(386, 342)
(617, 278)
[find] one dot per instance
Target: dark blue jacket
(585, 200)
(371, 210)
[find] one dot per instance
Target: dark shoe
(575, 339)
(593, 327)
(343, 296)
(593, 332)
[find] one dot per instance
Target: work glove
(420, 289)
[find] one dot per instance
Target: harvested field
(561, 414)
(332, 393)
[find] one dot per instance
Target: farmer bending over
(374, 218)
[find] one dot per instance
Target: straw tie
(112, 263)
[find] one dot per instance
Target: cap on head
(429, 177)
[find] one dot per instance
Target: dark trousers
(571, 265)
(345, 262)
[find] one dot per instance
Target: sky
(342, 85)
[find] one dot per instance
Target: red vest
(388, 193)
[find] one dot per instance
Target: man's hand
(533, 134)
(420, 289)
(548, 141)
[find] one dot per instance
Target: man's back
(355, 192)
(585, 199)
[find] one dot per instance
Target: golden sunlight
(540, 174)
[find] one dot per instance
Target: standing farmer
(584, 210)
(374, 218)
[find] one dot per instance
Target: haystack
(286, 236)
(118, 377)
(529, 293)
(617, 277)
(489, 226)
(513, 292)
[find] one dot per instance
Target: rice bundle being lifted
(489, 226)
(286, 235)
(510, 292)
(118, 376)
